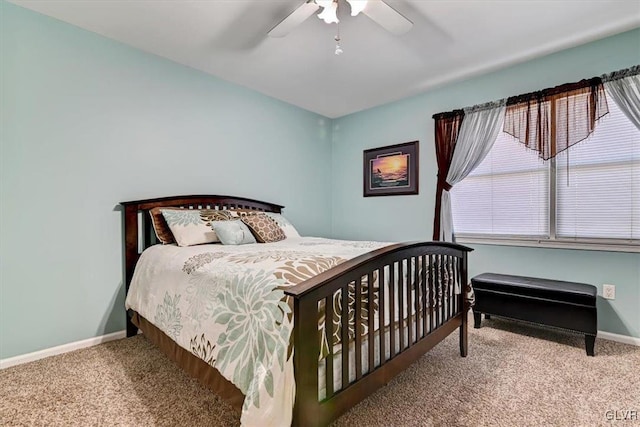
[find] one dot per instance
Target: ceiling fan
(379, 11)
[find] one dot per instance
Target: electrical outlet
(608, 291)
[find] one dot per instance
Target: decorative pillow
(193, 226)
(264, 228)
(288, 228)
(160, 226)
(233, 232)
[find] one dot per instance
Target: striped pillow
(160, 226)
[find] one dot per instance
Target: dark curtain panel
(552, 120)
(446, 133)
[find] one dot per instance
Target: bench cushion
(577, 293)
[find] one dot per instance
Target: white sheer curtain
(478, 132)
(626, 93)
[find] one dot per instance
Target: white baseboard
(65, 348)
(625, 339)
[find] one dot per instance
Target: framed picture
(391, 170)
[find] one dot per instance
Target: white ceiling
(450, 40)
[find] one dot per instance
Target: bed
(349, 315)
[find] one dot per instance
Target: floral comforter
(225, 304)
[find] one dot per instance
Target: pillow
(160, 226)
(233, 232)
(193, 226)
(288, 228)
(264, 228)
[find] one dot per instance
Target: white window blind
(508, 194)
(598, 182)
(597, 185)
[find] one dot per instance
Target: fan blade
(296, 18)
(387, 17)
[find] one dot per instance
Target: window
(589, 193)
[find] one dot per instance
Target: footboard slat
(358, 327)
(416, 297)
(344, 329)
(392, 311)
(423, 289)
(456, 283)
(382, 309)
(329, 338)
(371, 317)
(432, 298)
(440, 293)
(409, 287)
(401, 315)
(445, 290)
(449, 288)
(461, 283)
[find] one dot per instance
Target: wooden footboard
(415, 306)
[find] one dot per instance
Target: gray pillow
(233, 232)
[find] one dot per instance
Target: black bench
(565, 305)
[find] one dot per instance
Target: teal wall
(88, 122)
(411, 217)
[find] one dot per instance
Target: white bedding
(225, 304)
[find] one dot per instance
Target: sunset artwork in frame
(391, 170)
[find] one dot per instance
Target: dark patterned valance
(552, 120)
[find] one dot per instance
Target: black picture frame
(391, 170)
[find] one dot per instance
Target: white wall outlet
(609, 291)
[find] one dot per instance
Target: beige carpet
(515, 375)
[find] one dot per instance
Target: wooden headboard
(138, 230)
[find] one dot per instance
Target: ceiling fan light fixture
(329, 12)
(339, 50)
(357, 6)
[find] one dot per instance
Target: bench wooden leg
(589, 342)
(477, 318)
